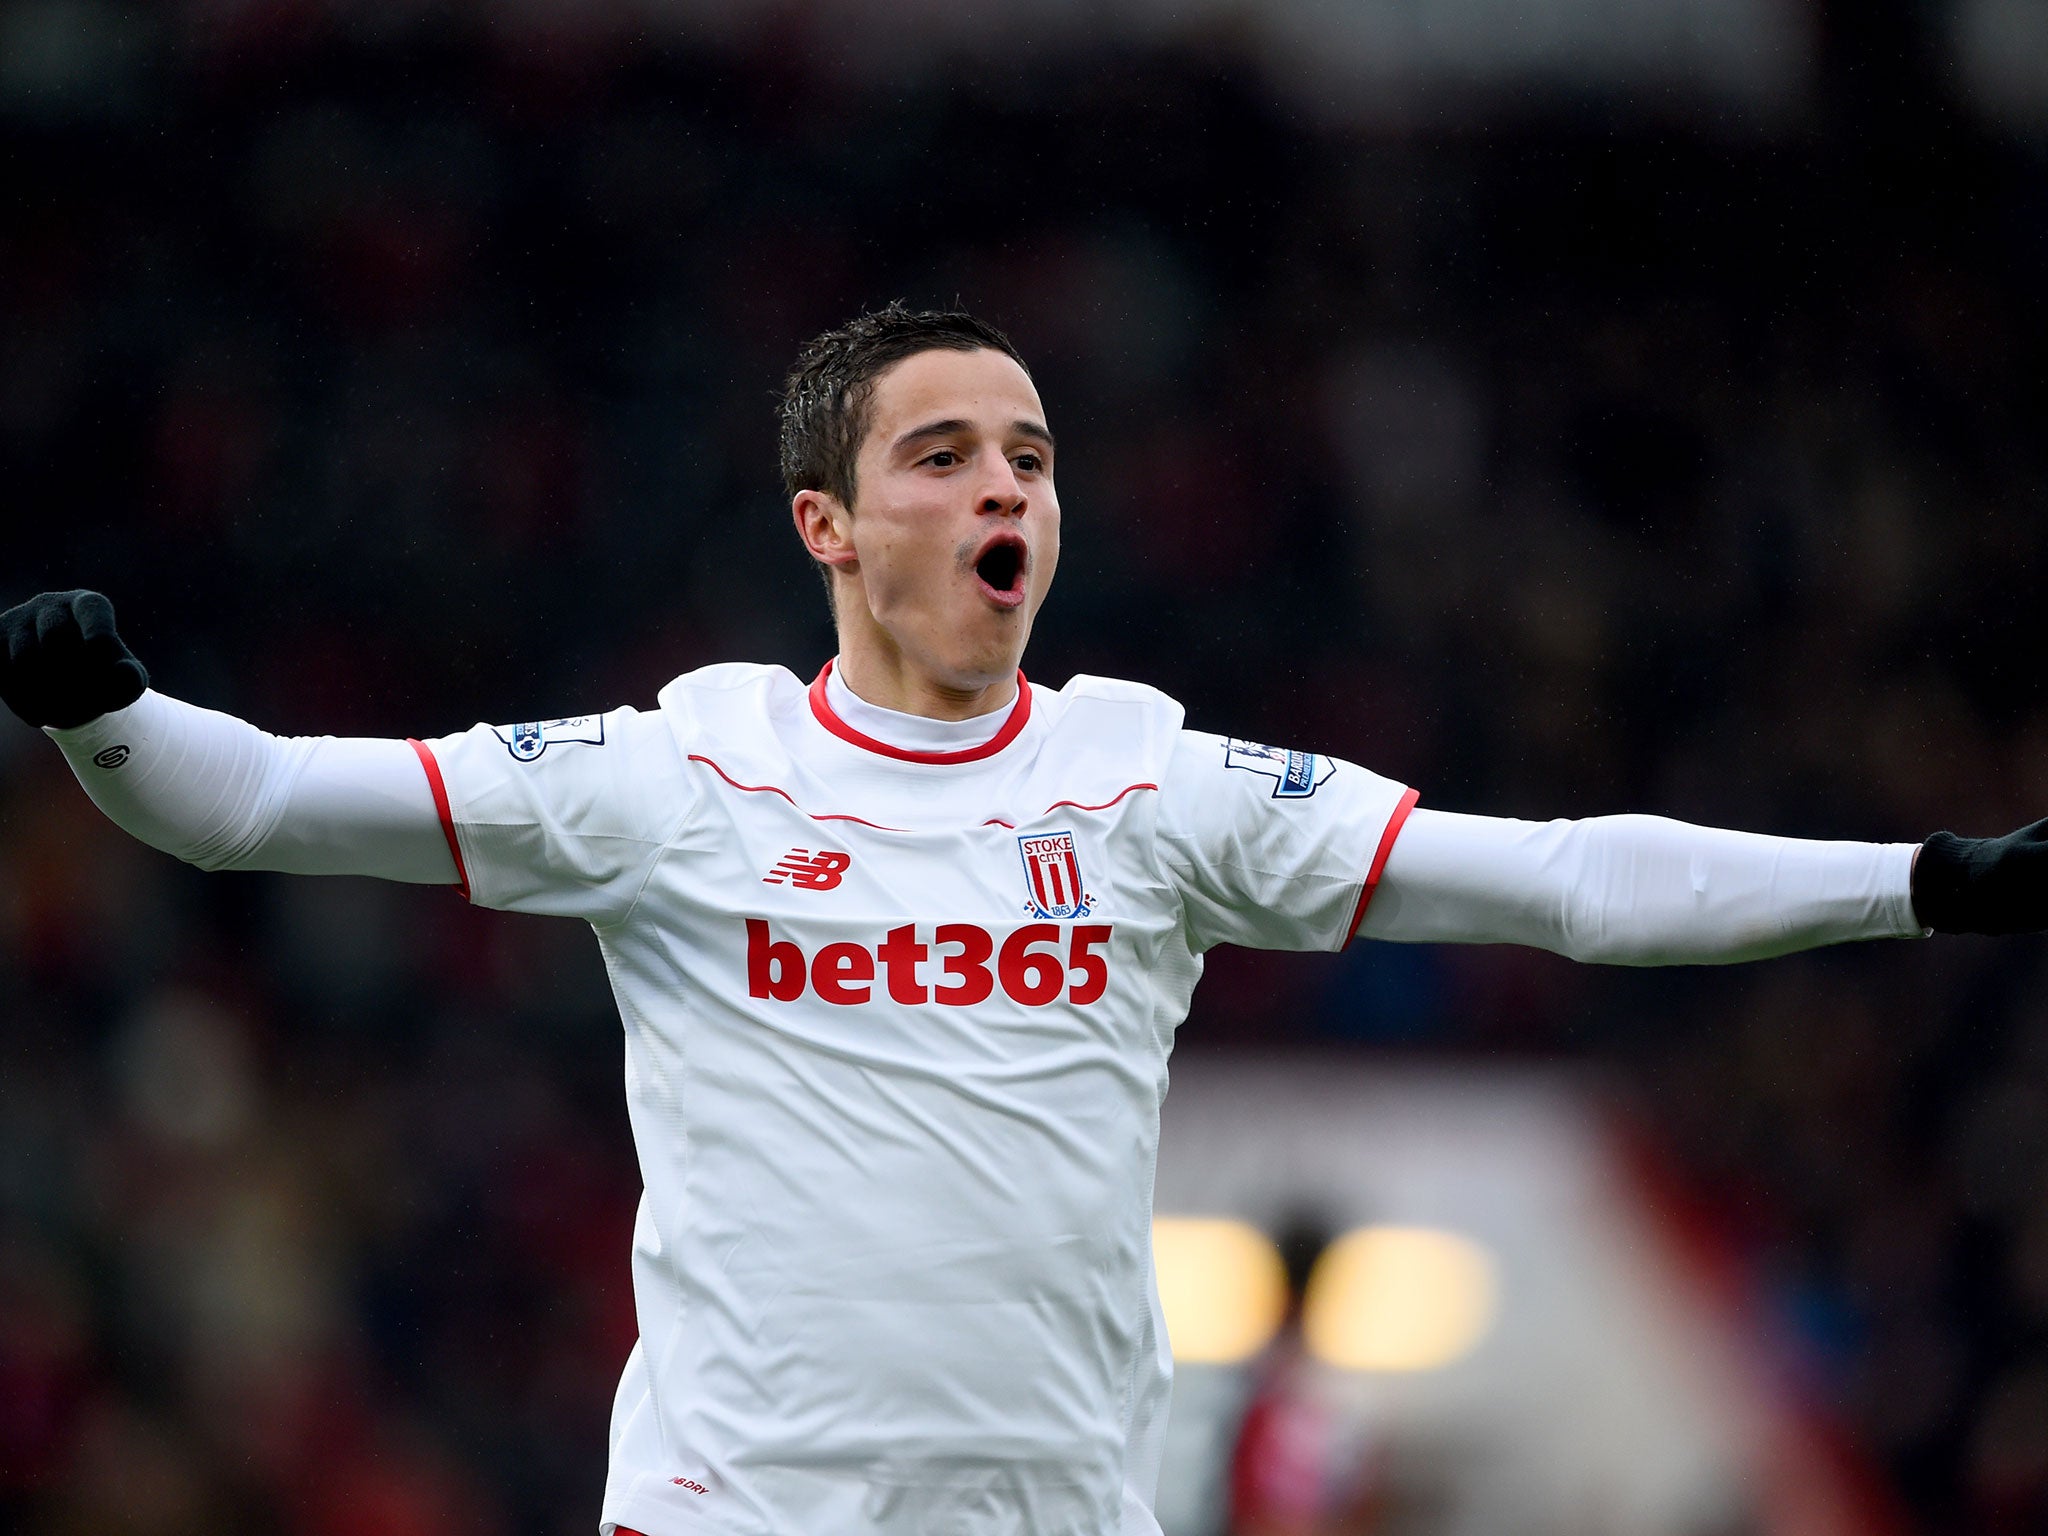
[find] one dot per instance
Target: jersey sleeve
(1271, 848)
(562, 817)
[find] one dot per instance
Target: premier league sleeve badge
(527, 742)
(1295, 775)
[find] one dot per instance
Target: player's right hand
(63, 664)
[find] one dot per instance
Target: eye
(1031, 463)
(945, 458)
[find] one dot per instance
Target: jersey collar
(821, 707)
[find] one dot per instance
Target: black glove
(1983, 884)
(63, 664)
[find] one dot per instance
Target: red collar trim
(1020, 712)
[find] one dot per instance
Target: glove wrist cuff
(1942, 881)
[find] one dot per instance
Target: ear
(825, 526)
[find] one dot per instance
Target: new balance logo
(809, 871)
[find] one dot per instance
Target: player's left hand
(1983, 884)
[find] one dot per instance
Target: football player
(900, 951)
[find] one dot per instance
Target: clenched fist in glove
(63, 664)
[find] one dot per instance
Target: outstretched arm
(1642, 890)
(1636, 890)
(1293, 850)
(204, 786)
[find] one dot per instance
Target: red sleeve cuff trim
(1395, 823)
(440, 789)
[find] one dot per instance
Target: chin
(999, 671)
(985, 668)
(991, 651)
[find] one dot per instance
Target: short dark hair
(827, 397)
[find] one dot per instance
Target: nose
(1003, 496)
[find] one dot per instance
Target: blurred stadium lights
(1399, 1299)
(1378, 1299)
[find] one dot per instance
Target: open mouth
(1000, 569)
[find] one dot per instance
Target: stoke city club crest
(1052, 875)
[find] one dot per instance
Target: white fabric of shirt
(893, 1259)
(892, 1265)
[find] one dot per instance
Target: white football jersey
(897, 1025)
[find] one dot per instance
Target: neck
(885, 677)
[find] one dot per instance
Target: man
(900, 955)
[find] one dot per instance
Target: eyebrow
(1022, 427)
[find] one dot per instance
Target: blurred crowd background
(1564, 419)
